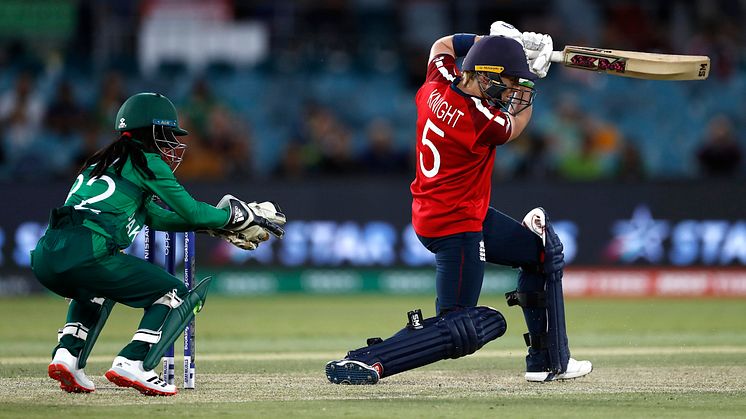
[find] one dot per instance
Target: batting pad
(456, 334)
(540, 296)
(559, 349)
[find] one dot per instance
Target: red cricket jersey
(456, 138)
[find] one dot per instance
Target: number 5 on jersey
(430, 127)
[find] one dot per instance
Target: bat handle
(557, 56)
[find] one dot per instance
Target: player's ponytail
(129, 145)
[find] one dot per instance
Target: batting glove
(507, 30)
(538, 47)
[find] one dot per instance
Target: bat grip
(556, 57)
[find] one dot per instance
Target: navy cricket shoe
(348, 371)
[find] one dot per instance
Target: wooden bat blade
(641, 65)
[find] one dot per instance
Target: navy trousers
(460, 258)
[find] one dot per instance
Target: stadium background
(310, 103)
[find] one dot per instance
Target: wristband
(462, 42)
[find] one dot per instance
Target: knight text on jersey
(443, 110)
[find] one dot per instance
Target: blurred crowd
(58, 100)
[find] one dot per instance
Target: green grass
(264, 357)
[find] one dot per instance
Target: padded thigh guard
(455, 334)
(175, 322)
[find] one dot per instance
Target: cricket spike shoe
(128, 373)
(574, 370)
(64, 368)
(347, 371)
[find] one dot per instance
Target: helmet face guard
(512, 100)
(493, 59)
(171, 149)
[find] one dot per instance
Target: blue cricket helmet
(498, 54)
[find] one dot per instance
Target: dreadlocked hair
(130, 145)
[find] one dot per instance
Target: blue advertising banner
(364, 223)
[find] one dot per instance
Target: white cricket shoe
(127, 373)
(64, 368)
(574, 369)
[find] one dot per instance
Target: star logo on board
(639, 238)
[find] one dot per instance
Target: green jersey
(118, 206)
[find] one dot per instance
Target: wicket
(189, 330)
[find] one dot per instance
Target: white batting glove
(543, 46)
(507, 30)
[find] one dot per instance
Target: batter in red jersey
(463, 116)
(457, 132)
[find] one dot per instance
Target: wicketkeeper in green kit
(79, 256)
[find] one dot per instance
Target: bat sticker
(591, 62)
(703, 70)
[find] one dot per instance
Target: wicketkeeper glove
(243, 216)
(237, 239)
(270, 211)
(250, 237)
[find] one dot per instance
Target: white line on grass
(487, 353)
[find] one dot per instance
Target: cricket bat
(639, 65)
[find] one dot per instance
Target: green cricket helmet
(145, 109)
(153, 110)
